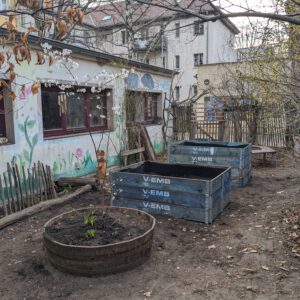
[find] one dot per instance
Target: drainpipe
(207, 41)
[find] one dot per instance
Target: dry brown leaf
(12, 75)
(35, 88)
(2, 58)
(3, 83)
(40, 58)
(79, 15)
(12, 95)
(48, 3)
(28, 57)
(69, 12)
(62, 28)
(23, 51)
(1, 97)
(51, 59)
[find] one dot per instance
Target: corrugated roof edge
(96, 54)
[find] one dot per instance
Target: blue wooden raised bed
(196, 193)
(235, 155)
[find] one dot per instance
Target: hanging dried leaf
(2, 58)
(3, 83)
(62, 28)
(40, 58)
(12, 76)
(48, 3)
(70, 11)
(28, 56)
(1, 97)
(51, 59)
(79, 15)
(35, 88)
(12, 95)
(24, 39)
(23, 51)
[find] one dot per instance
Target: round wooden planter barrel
(100, 260)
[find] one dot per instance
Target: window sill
(63, 136)
(6, 144)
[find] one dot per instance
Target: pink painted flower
(78, 152)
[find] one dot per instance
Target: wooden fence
(20, 189)
(266, 128)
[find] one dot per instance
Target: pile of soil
(108, 227)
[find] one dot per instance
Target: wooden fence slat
(30, 184)
(16, 186)
(2, 197)
(19, 186)
(7, 193)
(25, 182)
(9, 175)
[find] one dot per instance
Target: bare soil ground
(249, 252)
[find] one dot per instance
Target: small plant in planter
(90, 220)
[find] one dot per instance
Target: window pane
(97, 110)
(2, 119)
(75, 111)
(50, 108)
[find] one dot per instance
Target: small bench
(263, 150)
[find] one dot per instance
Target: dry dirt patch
(245, 254)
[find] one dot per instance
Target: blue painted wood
(158, 208)
(200, 194)
(235, 155)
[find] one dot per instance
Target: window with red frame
(2, 120)
(84, 111)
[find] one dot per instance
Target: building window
(195, 90)
(6, 119)
(124, 37)
(72, 112)
(198, 59)
(2, 121)
(143, 107)
(177, 29)
(213, 109)
(177, 61)
(198, 28)
(150, 108)
(177, 92)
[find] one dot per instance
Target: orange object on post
(102, 164)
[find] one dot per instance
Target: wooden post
(14, 204)
(25, 187)
(2, 197)
(7, 193)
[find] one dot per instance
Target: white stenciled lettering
(210, 150)
(201, 158)
(156, 180)
(156, 206)
(157, 193)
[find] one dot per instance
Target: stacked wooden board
(236, 155)
(197, 193)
